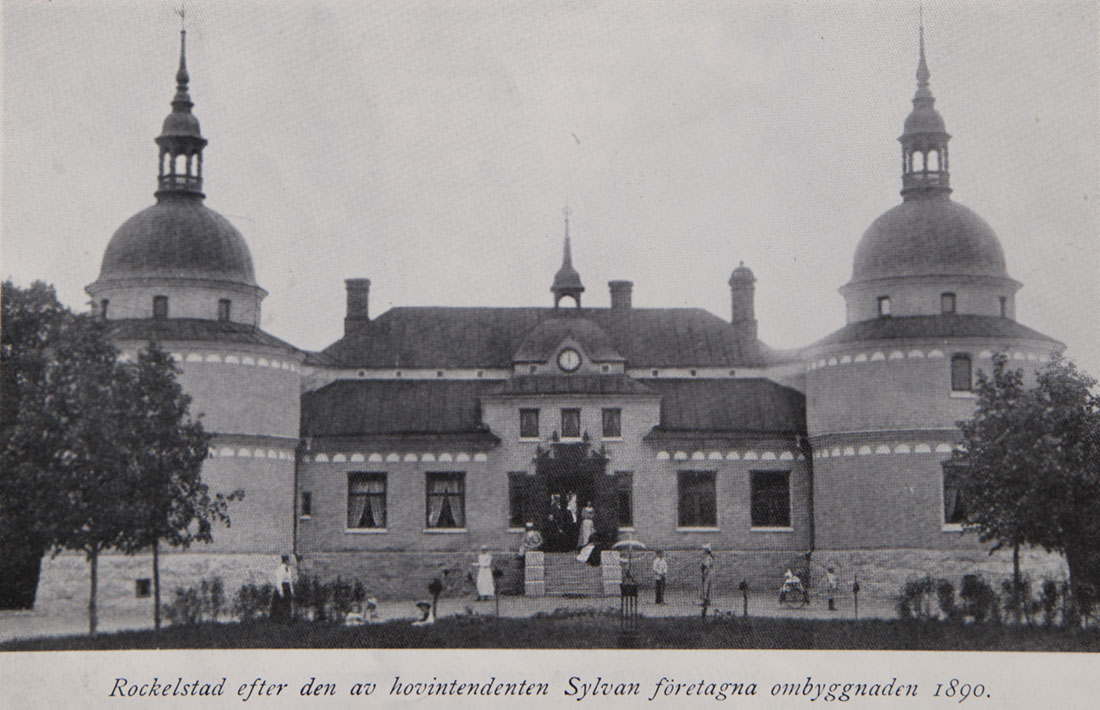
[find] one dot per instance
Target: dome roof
(178, 123)
(924, 119)
(928, 237)
(178, 237)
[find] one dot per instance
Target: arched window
(934, 160)
(947, 302)
(960, 373)
(918, 162)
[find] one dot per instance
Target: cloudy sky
(431, 146)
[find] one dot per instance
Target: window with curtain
(446, 500)
(366, 501)
(954, 512)
(570, 423)
(698, 500)
(612, 423)
(624, 493)
(771, 499)
(960, 373)
(529, 423)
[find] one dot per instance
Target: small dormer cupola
(567, 282)
(924, 142)
(180, 140)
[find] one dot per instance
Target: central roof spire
(924, 140)
(180, 139)
(567, 282)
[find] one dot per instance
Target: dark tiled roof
(740, 406)
(193, 330)
(489, 337)
(938, 326)
(394, 407)
(573, 384)
(539, 344)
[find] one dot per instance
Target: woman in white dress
(588, 525)
(485, 588)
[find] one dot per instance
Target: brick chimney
(742, 291)
(358, 312)
(620, 294)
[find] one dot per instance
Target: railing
(180, 182)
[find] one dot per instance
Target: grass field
(589, 631)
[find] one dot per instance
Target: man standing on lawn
(660, 570)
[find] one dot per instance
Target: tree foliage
(1030, 466)
(97, 453)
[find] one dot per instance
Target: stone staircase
(560, 574)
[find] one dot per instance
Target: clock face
(569, 360)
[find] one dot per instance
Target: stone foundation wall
(65, 580)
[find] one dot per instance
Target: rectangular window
(884, 305)
(518, 487)
(954, 512)
(1004, 306)
(624, 494)
(771, 499)
(570, 423)
(960, 373)
(612, 423)
(160, 306)
(143, 588)
(306, 510)
(529, 423)
(698, 500)
(223, 309)
(103, 308)
(947, 302)
(366, 501)
(446, 502)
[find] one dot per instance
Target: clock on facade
(569, 360)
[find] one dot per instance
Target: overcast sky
(431, 146)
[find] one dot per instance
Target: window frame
(949, 303)
(225, 310)
(570, 411)
(756, 486)
(617, 414)
(524, 433)
(305, 505)
(160, 307)
(624, 486)
(883, 306)
(460, 521)
(949, 469)
(955, 379)
(517, 489)
(365, 476)
(698, 518)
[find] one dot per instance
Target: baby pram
(792, 591)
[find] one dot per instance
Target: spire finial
(922, 67)
(567, 256)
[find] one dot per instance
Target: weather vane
(182, 12)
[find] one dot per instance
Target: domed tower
(929, 303)
(181, 275)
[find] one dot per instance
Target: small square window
(224, 306)
(143, 588)
(532, 369)
(570, 423)
(883, 305)
(307, 505)
(947, 302)
(160, 306)
(529, 423)
(612, 423)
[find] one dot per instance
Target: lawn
(590, 630)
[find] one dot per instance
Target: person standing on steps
(485, 585)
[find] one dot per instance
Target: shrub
(185, 609)
(915, 601)
(980, 602)
(1050, 595)
(341, 594)
(945, 596)
(213, 597)
(253, 601)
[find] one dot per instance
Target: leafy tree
(1030, 470)
(32, 321)
(173, 506)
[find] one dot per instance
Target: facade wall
(920, 296)
(901, 385)
(186, 299)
